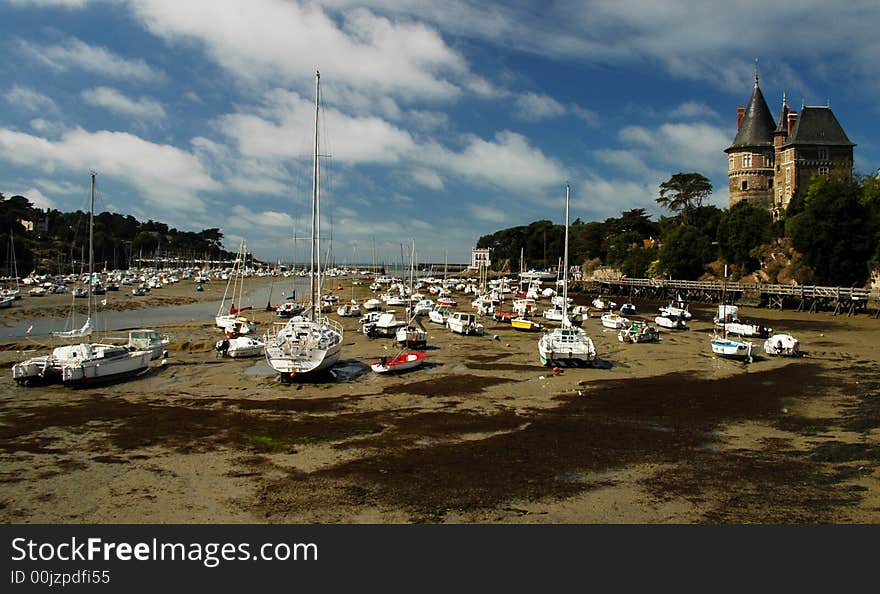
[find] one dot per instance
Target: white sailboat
(313, 343)
(85, 362)
(230, 321)
(724, 346)
(567, 344)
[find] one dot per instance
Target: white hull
(732, 349)
(241, 347)
(101, 368)
(782, 345)
(614, 321)
(303, 346)
(671, 323)
(569, 345)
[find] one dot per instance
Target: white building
(480, 258)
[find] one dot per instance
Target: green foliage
(117, 239)
(683, 192)
(639, 260)
(834, 232)
(741, 231)
(685, 252)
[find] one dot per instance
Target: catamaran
(567, 344)
(312, 343)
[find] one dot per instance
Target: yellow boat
(526, 325)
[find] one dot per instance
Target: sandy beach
(658, 433)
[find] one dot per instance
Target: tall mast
(315, 262)
(91, 240)
(565, 319)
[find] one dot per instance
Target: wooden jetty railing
(847, 300)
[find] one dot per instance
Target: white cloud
(509, 162)
(534, 107)
(693, 110)
(283, 128)
(74, 53)
(362, 50)
(165, 175)
(30, 99)
(244, 218)
(489, 214)
(115, 101)
(428, 179)
(690, 147)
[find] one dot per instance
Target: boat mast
(565, 320)
(315, 262)
(91, 241)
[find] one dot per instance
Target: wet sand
(659, 433)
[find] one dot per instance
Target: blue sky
(444, 121)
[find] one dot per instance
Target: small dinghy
(402, 362)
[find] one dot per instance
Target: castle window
(823, 154)
(744, 184)
(747, 160)
(768, 160)
(770, 184)
(823, 170)
(788, 175)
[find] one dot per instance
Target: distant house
(480, 258)
(767, 164)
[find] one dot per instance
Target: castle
(767, 164)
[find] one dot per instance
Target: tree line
(829, 234)
(58, 242)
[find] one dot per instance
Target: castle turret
(750, 168)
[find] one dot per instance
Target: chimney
(740, 112)
(792, 118)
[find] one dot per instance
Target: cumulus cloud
(693, 146)
(283, 127)
(75, 53)
(364, 50)
(166, 176)
(113, 100)
(508, 162)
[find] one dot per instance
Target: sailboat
(412, 335)
(85, 362)
(566, 344)
(232, 323)
(312, 343)
(721, 344)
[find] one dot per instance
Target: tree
(742, 230)
(683, 192)
(685, 252)
(834, 232)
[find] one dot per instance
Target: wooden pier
(840, 300)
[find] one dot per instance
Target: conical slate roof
(757, 126)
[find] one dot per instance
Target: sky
(441, 121)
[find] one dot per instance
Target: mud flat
(659, 433)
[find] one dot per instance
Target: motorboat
(464, 323)
(638, 332)
(144, 339)
(782, 345)
(240, 347)
(526, 324)
(614, 321)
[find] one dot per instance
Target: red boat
(402, 362)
